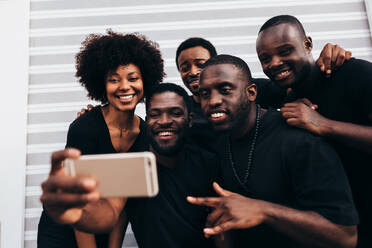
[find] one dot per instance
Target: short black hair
(170, 87)
(194, 42)
(101, 54)
(276, 20)
(229, 59)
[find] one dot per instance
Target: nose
(164, 120)
(276, 62)
(124, 85)
(215, 99)
(194, 71)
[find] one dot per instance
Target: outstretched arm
(234, 211)
(75, 200)
(301, 115)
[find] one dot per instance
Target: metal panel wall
(57, 27)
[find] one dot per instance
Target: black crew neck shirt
(290, 167)
(347, 97)
(168, 220)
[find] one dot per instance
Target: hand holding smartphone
(119, 174)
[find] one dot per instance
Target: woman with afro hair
(118, 70)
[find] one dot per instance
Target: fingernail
(91, 197)
(190, 198)
(89, 183)
(328, 71)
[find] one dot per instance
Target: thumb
(221, 191)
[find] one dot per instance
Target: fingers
(90, 107)
(228, 225)
(204, 201)
(324, 60)
(68, 200)
(69, 184)
(214, 217)
(348, 55)
(221, 191)
(59, 156)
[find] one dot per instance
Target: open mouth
(165, 135)
(194, 85)
(217, 117)
(282, 75)
(125, 98)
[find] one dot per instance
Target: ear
(191, 116)
(308, 43)
(251, 92)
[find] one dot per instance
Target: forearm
(101, 216)
(349, 134)
(308, 228)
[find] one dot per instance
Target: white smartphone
(119, 174)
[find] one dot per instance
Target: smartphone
(119, 174)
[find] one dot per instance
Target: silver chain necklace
(250, 154)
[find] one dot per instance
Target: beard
(240, 117)
(167, 150)
(172, 149)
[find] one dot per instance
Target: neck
(173, 161)
(119, 119)
(306, 87)
(247, 124)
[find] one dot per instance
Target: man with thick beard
(290, 189)
(166, 220)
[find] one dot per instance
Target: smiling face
(124, 87)
(285, 54)
(225, 96)
(190, 62)
(167, 120)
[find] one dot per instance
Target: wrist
(326, 127)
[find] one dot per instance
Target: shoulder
(357, 70)
(295, 142)
(87, 124)
(268, 93)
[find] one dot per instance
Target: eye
(113, 80)
(153, 114)
(133, 79)
(185, 68)
(225, 90)
(264, 59)
(285, 52)
(203, 93)
(200, 64)
(177, 113)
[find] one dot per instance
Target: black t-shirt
(268, 93)
(347, 97)
(168, 220)
(90, 135)
(291, 167)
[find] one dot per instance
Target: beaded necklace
(250, 154)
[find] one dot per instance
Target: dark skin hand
(66, 207)
(75, 200)
(234, 211)
(301, 114)
(332, 57)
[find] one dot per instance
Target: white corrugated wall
(57, 27)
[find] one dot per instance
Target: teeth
(217, 115)
(126, 97)
(282, 74)
(165, 133)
